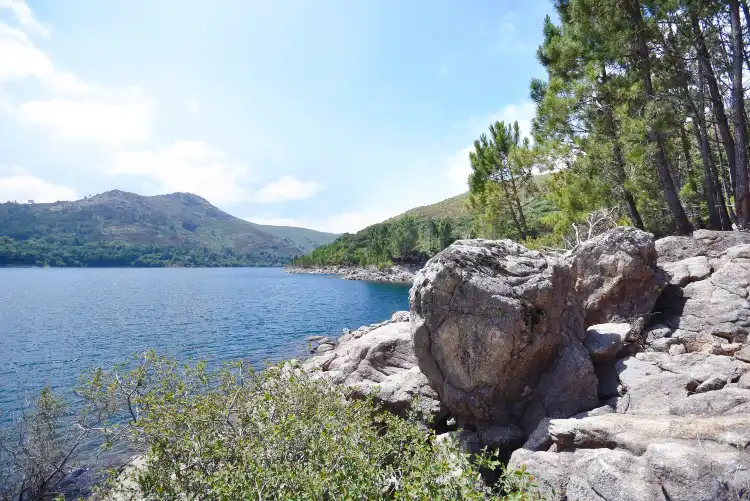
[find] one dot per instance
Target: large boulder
(616, 276)
(710, 244)
(498, 332)
(380, 362)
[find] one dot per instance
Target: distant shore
(393, 274)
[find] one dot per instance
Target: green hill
(118, 228)
(453, 208)
(417, 234)
(303, 238)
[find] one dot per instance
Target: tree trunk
(618, 159)
(714, 196)
(643, 57)
(717, 102)
(741, 200)
(517, 202)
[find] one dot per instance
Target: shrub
(280, 433)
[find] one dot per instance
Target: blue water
(54, 323)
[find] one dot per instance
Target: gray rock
(677, 349)
(688, 270)
(608, 382)
(743, 354)
(323, 348)
(313, 339)
(725, 401)
(711, 244)
(539, 440)
(658, 331)
(617, 457)
(744, 381)
(604, 341)
(380, 363)
(400, 316)
(616, 277)
(711, 384)
(497, 331)
(713, 312)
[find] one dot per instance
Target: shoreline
(400, 274)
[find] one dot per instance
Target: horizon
(325, 115)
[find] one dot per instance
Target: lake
(54, 323)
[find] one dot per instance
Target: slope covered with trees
(644, 106)
(117, 228)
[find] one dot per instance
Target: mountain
(303, 238)
(113, 227)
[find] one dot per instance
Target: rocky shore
(396, 273)
(618, 371)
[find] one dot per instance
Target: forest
(641, 120)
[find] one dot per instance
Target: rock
(616, 277)
(711, 244)
(327, 340)
(664, 344)
(381, 363)
(619, 457)
(539, 440)
(725, 401)
(608, 382)
(649, 389)
(397, 394)
(604, 341)
(698, 366)
(657, 331)
(711, 384)
(313, 339)
(323, 348)
(505, 439)
(731, 349)
(744, 381)
(743, 354)
(395, 273)
(677, 349)
(401, 316)
(497, 331)
(714, 311)
(688, 270)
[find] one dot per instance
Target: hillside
(303, 238)
(453, 208)
(120, 228)
(417, 234)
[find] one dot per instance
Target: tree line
(643, 109)
(65, 252)
(404, 240)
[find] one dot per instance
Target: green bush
(281, 434)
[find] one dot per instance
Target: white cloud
(108, 119)
(25, 17)
(459, 168)
(23, 187)
(522, 112)
(191, 166)
(20, 57)
(286, 188)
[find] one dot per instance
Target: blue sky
(327, 114)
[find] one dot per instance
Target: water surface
(56, 322)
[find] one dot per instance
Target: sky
(327, 114)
